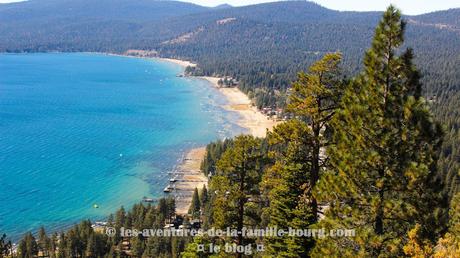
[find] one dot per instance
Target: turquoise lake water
(84, 129)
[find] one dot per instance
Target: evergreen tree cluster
(359, 153)
(446, 110)
(83, 240)
(214, 151)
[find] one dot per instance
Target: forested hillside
(441, 19)
(249, 43)
(281, 27)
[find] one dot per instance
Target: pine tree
(238, 175)
(286, 183)
(449, 244)
(91, 247)
(62, 246)
(120, 221)
(204, 196)
(43, 241)
(5, 246)
(195, 206)
(384, 155)
(28, 247)
(53, 245)
(314, 99)
(137, 246)
(297, 146)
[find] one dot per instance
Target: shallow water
(84, 129)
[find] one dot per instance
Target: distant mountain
(80, 10)
(77, 25)
(282, 38)
(222, 6)
(299, 12)
(248, 42)
(448, 17)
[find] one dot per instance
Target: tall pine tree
(384, 155)
(28, 246)
(195, 206)
(297, 145)
(239, 172)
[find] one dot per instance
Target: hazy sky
(407, 6)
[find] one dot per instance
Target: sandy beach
(152, 55)
(188, 175)
(250, 117)
(179, 62)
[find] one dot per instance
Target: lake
(82, 129)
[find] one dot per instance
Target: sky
(410, 7)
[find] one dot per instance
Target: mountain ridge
(278, 38)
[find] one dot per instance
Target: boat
(168, 189)
(146, 199)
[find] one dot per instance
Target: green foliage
(446, 110)
(233, 199)
(5, 246)
(204, 196)
(195, 206)
(447, 246)
(297, 146)
(454, 216)
(192, 250)
(83, 241)
(287, 186)
(28, 246)
(44, 242)
(214, 151)
(239, 172)
(384, 156)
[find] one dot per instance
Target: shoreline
(257, 124)
(250, 117)
(189, 175)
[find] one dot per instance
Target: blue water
(84, 129)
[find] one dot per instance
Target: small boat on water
(173, 180)
(146, 199)
(168, 189)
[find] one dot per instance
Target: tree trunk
(241, 209)
(379, 215)
(314, 174)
